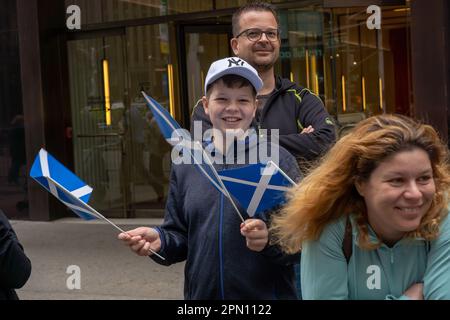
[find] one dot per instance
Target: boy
(225, 258)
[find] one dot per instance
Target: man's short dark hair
(252, 6)
(232, 81)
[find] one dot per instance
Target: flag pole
(97, 214)
(205, 156)
(282, 172)
(121, 230)
(227, 194)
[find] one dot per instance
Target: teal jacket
(385, 273)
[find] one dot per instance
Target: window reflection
(356, 71)
(99, 11)
(13, 175)
(150, 69)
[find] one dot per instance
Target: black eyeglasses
(256, 34)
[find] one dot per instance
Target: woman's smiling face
(398, 194)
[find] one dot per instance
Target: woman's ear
(205, 104)
(360, 187)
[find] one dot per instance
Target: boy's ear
(205, 105)
(256, 107)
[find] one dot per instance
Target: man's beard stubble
(266, 66)
(263, 67)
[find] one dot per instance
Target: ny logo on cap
(237, 62)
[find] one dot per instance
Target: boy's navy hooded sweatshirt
(201, 227)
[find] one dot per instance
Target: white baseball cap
(233, 65)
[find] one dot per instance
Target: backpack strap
(347, 242)
(347, 245)
(428, 246)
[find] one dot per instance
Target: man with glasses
(305, 127)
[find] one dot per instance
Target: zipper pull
(261, 136)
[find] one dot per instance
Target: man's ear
(205, 105)
(235, 46)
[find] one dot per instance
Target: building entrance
(117, 147)
(200, 45)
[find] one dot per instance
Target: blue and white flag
(63, 184)
(67, 188)
(257, 187)
(170, 129)
(176, 136)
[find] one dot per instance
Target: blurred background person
(15, 267)
(16, 149)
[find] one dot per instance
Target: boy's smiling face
(230, 108)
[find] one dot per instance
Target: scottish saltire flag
(67, 187)
(170, 129)
(257, 187)
(63, 184)
(175, 135)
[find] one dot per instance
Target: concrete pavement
(109, 270)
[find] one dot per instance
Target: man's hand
(141, 240)
(308, 130)
(256, 233)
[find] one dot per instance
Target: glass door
(149, 69)
(118, 148)
(99, 103)
(200, 45)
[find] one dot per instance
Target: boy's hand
(256, 233)
(141, 240)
